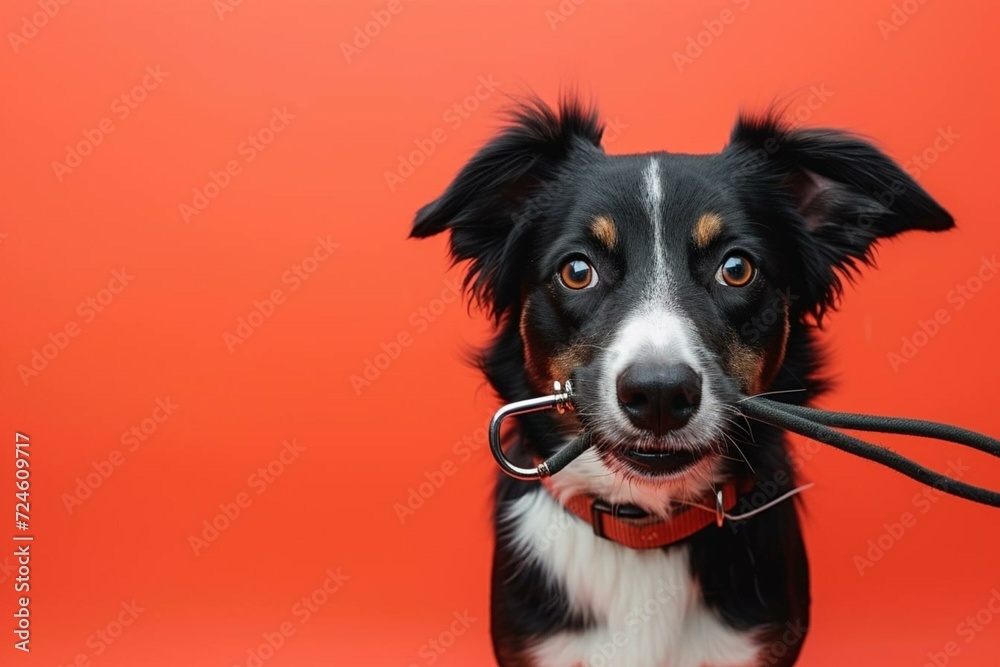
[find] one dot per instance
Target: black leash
(816, 424)
(812, 423)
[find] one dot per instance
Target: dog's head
(665, 286)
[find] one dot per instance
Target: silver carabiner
(560, 400)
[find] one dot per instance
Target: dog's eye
(736, 271)
(578, 274)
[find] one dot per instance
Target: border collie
(665, 286)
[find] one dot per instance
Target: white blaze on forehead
(657, 326)
(654, 205)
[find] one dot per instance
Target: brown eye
(578, 274)
(736, 271)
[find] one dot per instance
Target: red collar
(631, 526)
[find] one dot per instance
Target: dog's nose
(659, 397)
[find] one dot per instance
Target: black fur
(806, 205)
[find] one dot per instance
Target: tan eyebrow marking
(603, 227)
(708, 227)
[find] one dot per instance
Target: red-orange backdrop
(211, 314)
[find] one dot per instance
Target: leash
(816, 424)
(812, 423)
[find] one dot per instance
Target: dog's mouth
(641, 454)
(661, 462)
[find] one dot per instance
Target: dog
(666, 287)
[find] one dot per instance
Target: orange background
(324, 175)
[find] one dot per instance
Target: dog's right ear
(504, 191)
(844, 194)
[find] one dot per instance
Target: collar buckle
(601, 508)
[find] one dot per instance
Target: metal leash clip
(561, 400)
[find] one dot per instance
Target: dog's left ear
(844, 195)
(505, 191)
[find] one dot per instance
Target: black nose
(659, 397)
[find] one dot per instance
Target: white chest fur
(647, 607)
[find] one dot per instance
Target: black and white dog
(665, 287)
